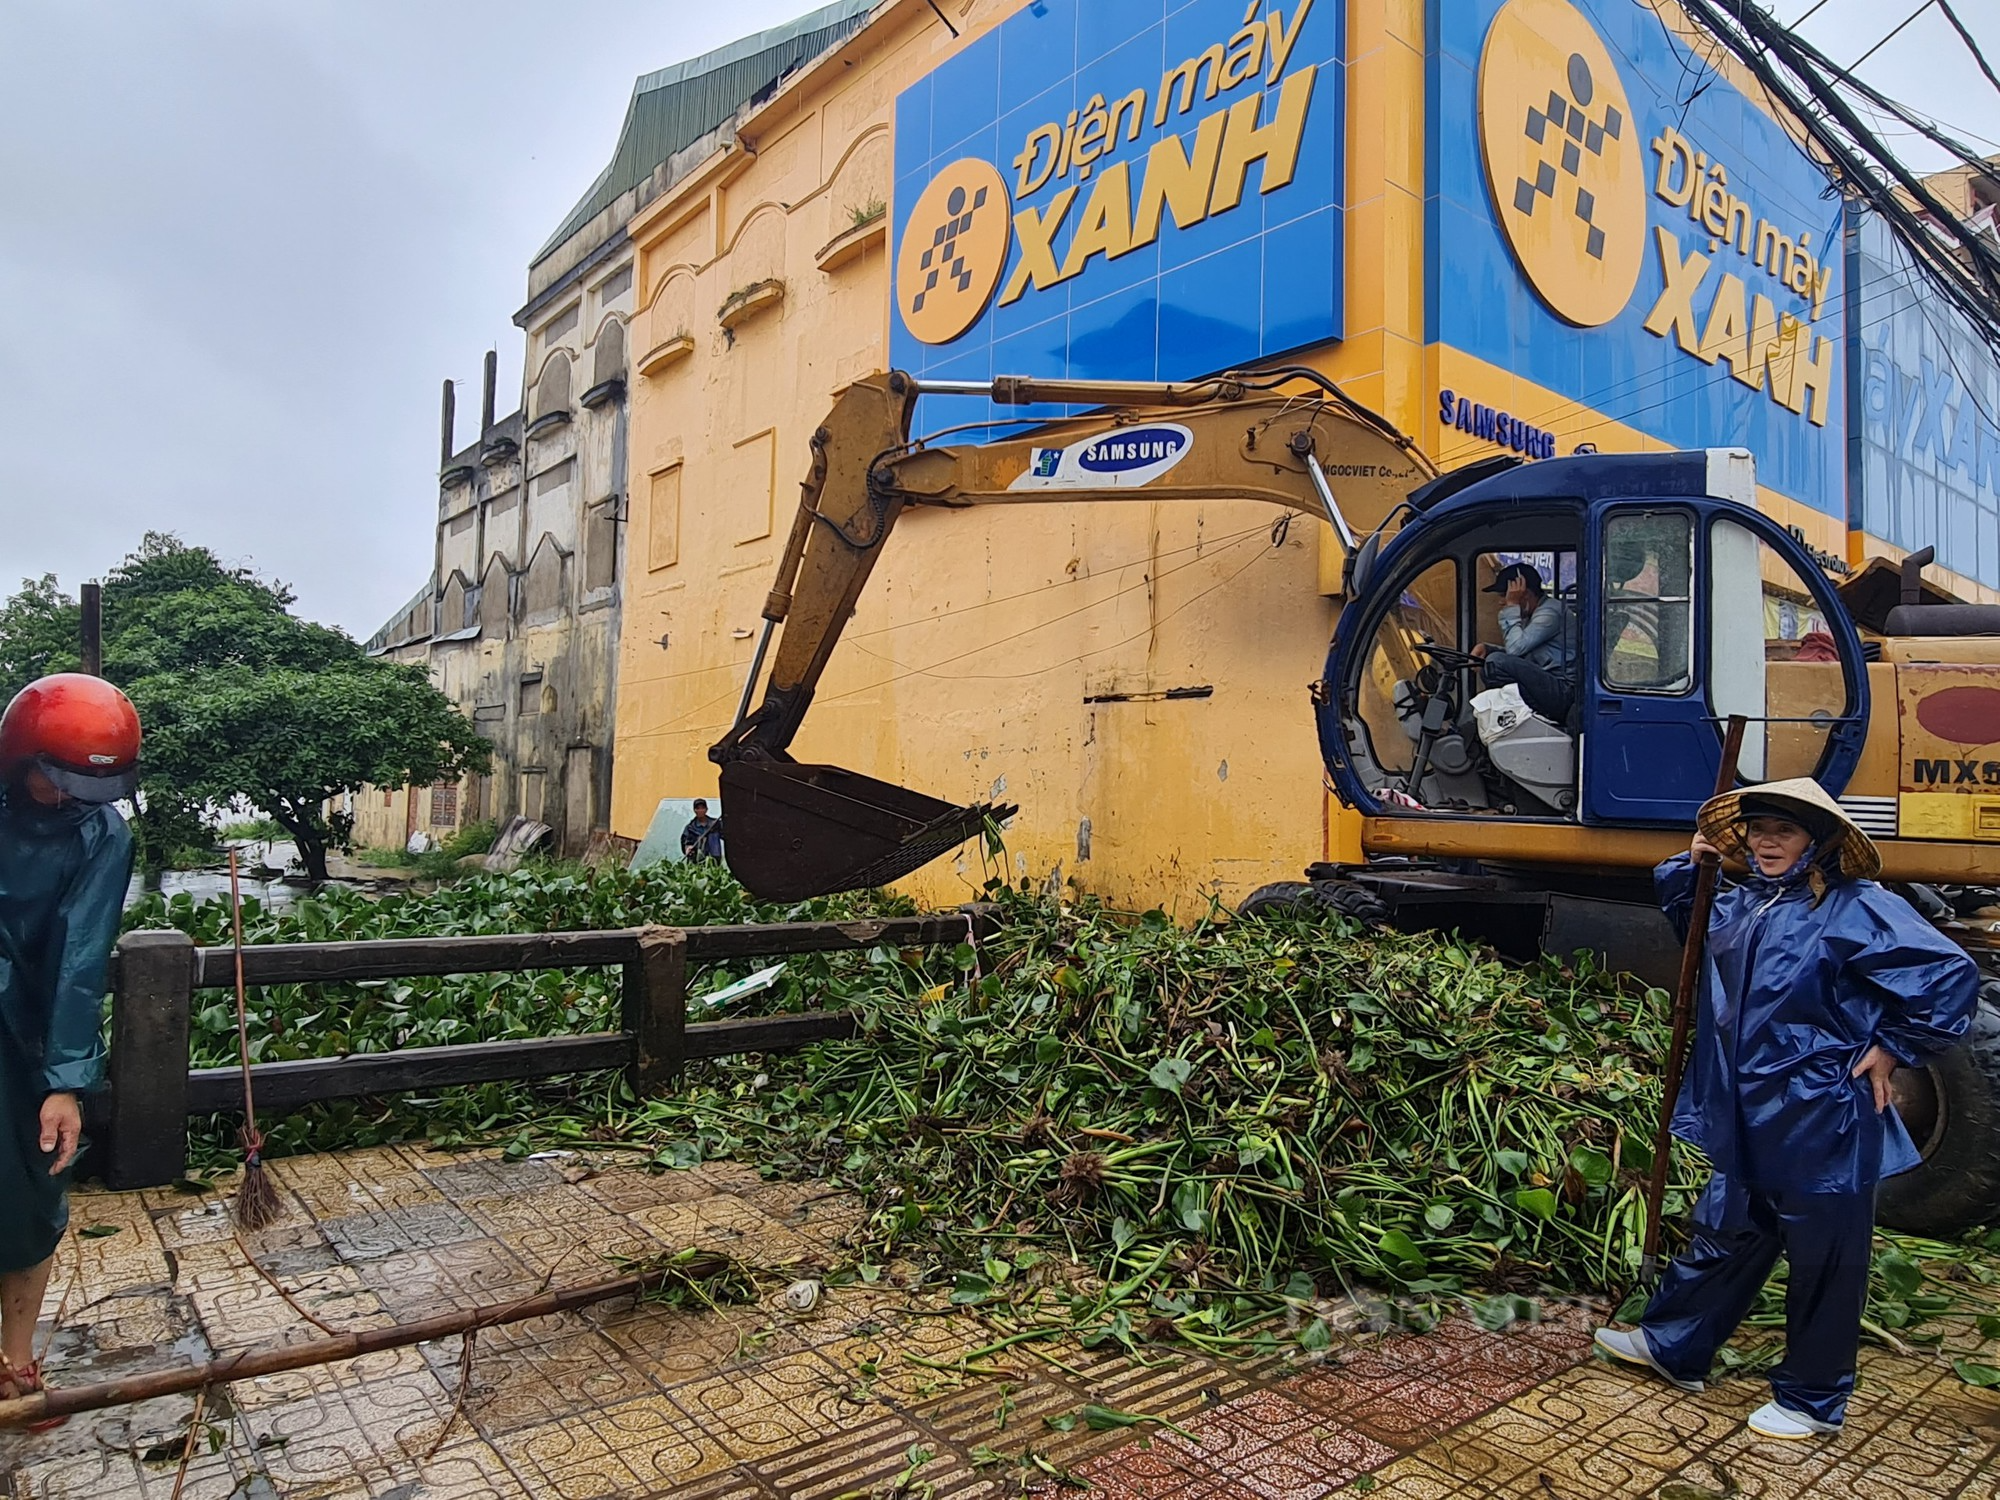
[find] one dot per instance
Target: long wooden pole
(90, 645)
(1707, 872)
(67, 1400)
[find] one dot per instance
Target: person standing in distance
(69, 747)
(701, 840)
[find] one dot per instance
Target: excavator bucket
(796, 831)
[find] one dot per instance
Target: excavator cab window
(1703, 611)
(1425, 740)
(1648, 626)
(1424, 614)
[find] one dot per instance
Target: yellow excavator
(1536, 834)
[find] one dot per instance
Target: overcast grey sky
(241, 242)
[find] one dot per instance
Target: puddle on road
(213, 884)
(263, 886)
(137, 1330)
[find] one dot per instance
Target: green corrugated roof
(678, 105)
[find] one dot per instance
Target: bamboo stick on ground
(66, 1401)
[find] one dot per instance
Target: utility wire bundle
(1960, 264)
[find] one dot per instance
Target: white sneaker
(1632, 1349)
(1774, 1421)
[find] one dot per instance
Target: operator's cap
(1801, 799)
(1504, 579)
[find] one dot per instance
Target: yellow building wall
(381, 816)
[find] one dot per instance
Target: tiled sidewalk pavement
(758, 1403)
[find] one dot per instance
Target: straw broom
(257, 1201)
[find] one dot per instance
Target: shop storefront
(1509, 228)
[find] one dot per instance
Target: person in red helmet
(69, 747)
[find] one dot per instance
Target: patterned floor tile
(628, 1192)
(464, 1469)
(1228, 1433)
(1477, 1459)
(1418, 1478)
(517, 1384)
(377, 1414)
(1136, 1471)
(754, 1414)
(872, 1388)
(641, 1447)
(482, 1176)
(1173, 1386)
(427, 1226)
(869, 1459)
(728, 1224)
(471, 1273)
(1305, 1465)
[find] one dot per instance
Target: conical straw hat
(1721, 822)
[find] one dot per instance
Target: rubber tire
(1958, 1186)
(1293, 898)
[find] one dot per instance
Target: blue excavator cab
(1686, 603)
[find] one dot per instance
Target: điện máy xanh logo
(1562, 159)
(954, 250)
(1568, 178)
(1719, 317)
(969, 219)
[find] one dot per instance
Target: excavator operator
(1539, 653)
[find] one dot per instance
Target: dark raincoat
(1793, 994)
(63, 874)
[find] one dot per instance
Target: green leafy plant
(252, 830)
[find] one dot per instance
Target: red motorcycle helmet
(79, 731)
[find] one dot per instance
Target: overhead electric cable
(1965, 36)
(1961, 266)
(1928, 126)
(1891, 36)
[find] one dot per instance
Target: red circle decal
(1967, 715)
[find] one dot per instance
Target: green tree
(39, 634)
(242, 699)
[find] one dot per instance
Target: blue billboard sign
(1123, 189)
(1613, 221)
(1926, 453)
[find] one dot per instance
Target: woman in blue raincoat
(69, 746)
(1818, 984)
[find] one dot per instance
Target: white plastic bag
(1500, 712)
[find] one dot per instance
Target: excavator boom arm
(807, 830)
(1228, 441)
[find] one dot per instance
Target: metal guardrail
(155, 975)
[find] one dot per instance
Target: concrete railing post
(149, 1060)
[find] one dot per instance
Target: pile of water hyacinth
(1246, 1099)
(1212, 1118)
